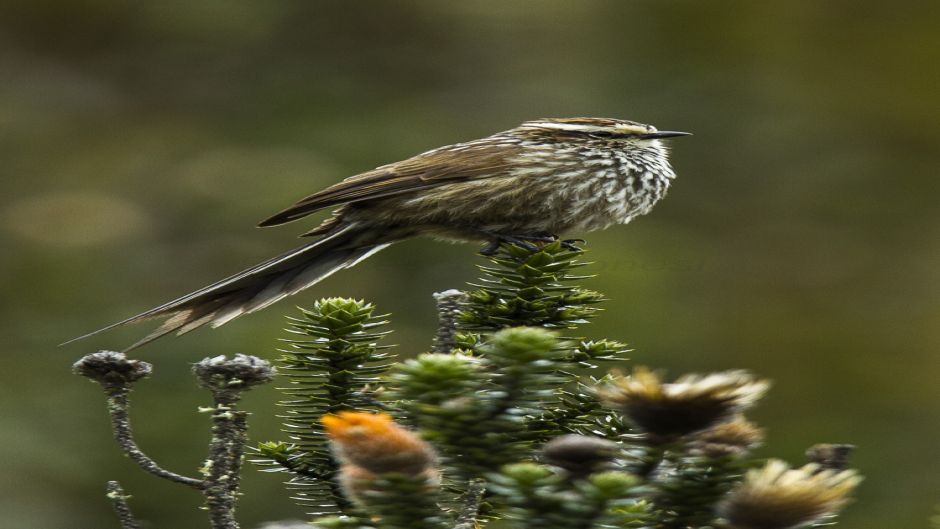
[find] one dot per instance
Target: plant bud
(580, 455)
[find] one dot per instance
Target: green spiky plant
(540, 288)
(506, 377)
(508, 422)
(529, 288)
(331, 359)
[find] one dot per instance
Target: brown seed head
(730, 439)
(778, 497)
(692, 403)
(111, 369)
(830, 456)
(580, 454)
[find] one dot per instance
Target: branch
(116, 374)
(227, 379)
(448, 309)
(119, 501)
(223, 465)
(472, 499)
(121, 426)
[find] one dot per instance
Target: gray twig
(472, 499)
(448, 310)
(123, 510)
(224, 463)
(117, 374)
(121, 425)
(227, 380)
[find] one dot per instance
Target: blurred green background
(141, 141)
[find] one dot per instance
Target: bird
(525, 185)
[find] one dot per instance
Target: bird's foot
(572, 245)
(523, 241)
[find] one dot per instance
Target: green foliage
(394, 501)
(340, 522)
(575, 408)
(686, 495)
(529, 288)
(539, 497)
(537, 288)
(333, 358)
(403, 502)
(487, 406)
(477, 418)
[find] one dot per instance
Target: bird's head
(619, 130)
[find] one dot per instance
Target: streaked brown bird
(528, 184)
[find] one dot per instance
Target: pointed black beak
(664, 134)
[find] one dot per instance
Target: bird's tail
(261, 285)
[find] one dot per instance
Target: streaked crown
(600, 127)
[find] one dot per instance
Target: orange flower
(374, 442)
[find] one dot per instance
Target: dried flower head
(830, 456)
(778, 497)
(690, 404)
(111, 369)
(240, 372)
(580, 455)
(370, 445)
(375, 443)
(729, 439)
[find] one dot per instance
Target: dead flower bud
(729, 439)
(111, 369)
(830, 456)
(690, 404)
(240, 372)
(580, 455)
(778, 497)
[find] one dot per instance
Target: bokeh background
(141, 141)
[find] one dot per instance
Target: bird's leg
(523, 241)
(571, 245)
(491, 248)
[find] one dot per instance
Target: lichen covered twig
(448, 315)
(117, 374)
(123, 510)
(226, 379)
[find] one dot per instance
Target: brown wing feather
(434, 168)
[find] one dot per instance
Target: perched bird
(527, 184)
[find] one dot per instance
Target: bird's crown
(600, 127)
(591, 125)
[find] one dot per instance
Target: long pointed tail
(259, 286)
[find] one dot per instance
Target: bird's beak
(664, 134)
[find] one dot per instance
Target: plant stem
(448, 309)
(472, 499)
(229, 427)
(121, 426)
(651, 459)
(123, 510)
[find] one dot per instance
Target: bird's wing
(441, 166)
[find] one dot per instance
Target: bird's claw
(522, 241)
(571, 245)
(491, 248)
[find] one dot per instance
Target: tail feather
(257, 287)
